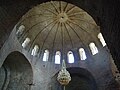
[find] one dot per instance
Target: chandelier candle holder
(64, 76)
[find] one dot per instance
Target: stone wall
(98, 65)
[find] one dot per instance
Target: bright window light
(57, 57)
(82, 54)
(93, 48)
(70, 57)
(35, 50)
(100, 36)
(26, 42)
(46, 55)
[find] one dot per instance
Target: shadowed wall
(16, 73)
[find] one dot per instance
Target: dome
(57, 25)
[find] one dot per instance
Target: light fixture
(64, 76)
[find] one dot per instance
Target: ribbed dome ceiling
(58, 25)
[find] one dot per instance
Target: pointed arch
(16, 68)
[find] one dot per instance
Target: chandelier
(64, 76)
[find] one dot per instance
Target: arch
(46, 55)
(82, 54)
(70, 57)
(100, 37)
(57, 57)
(81, 79)
(20, 30)
(17, 73)
(35, 50)
(26, 42)
(93, 48)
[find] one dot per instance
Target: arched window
(57, 57)
(101, 39)
(82, 54)
(46, 55)
(35, 50)
(70, 57)
(93, 48)
(26, 42)
(20, 30)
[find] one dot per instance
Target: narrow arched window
(93, 48)
(82, 54)
(20, 30)
(46, 55)
(57, 57)
(100, 36)
(26, 42)
(35, 50)
(70, 57)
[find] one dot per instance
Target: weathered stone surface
(106, 15)
(98, 65)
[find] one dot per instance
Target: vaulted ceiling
(58, 25)
(106, 13)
